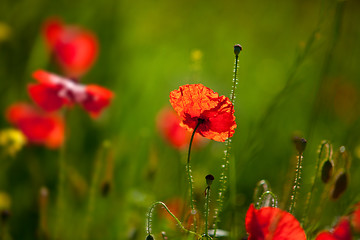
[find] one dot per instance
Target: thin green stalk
(190, 178)
(60, 205)
(149, 219)
(93, 188)
(207, 194)
(313, 182)
(296, 185)
(225, 165)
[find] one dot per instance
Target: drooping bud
(327, 171)
(237, 49)
(340, 185)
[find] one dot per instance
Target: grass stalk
(93, 187)
(60, 201)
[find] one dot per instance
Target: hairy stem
(225, 165)
(296, 185)
(149, 219)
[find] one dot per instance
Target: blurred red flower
(38, 127)
(195, 103)
(74, 48)
(168, 125)
(53, 91)
(342, 231)
(355, 218)
(272, 223)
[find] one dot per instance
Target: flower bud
(149, 237)
(237, 49)
(327, 171)
(340, 185)
(209, 179)
(300, 144)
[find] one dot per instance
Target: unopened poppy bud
(300, 144)
(149, 237)
(209, 179)
(237, 49)
(340, 185)
(327, 171)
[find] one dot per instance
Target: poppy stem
(149, 219)
(61, 185)
(98, 166)
(225, 165)
(207, 194)
(325, 146)
(296, 185)
(188, 168)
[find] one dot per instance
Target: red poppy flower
(37, 126)
(195, 103)
(74, 48)
(272, 223)
(168, 125)
(342, 231)
(53, 91)
(355, 218)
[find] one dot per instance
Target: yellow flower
(12, 140)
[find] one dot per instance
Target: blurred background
(298, 74)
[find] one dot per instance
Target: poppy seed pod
(300, 144)
(327, 171)
(209, 179)
(149, 237)
(237, 49)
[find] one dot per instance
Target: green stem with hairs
(207, 192)
(225, 165)
(296, 185)
(148, 224)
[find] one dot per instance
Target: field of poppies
(179, 120)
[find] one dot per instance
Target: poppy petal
(75, 49)
(45, 77)
(97, 99)
(342, 231)
(77, 55)
(37, 126)
(46, 97)
(355, 218)
(272, 223)
(52, 29)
